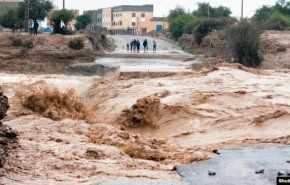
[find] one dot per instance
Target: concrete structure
(155, 24)
(126, 19)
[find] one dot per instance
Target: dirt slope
(50, 54)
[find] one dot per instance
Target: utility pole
(242, 10)
(26, 15)
(63, 4)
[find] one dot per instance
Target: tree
(173, 14)
(204, 8)
(83, 21)
(264, 13)
(281, 7)
(38, 9)
(11, 20)
(221, 11)
(61, 15)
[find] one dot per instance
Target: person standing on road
(154, 46)
(145, 45)
(138, 45)
(35, 28)
(134, 45)
(131, 45)
(128, 47)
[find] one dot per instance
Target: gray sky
(162, 7)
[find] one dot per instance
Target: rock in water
(281, 173)
(4, 106)
(216, 152)
(260, 171)
(211, 173)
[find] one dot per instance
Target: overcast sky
(162, 7)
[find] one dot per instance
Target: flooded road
(164, 60)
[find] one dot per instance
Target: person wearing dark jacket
(145, 45)
(138, 46)
(35, 28)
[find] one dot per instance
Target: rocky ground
(144, 127)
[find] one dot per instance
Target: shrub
(207, 25)
(277, 22)
(76, 43)
(244, 40)
(17, 42)
(190, 26)
(28, 44)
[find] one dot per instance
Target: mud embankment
(43, 54)
(274, 47)
(8, 137)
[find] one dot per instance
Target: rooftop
(133, 8)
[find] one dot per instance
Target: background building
(126, 19)
(8, 4)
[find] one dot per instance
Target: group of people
(33, 27)
(135, 46)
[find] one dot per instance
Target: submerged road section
(168, 57)
(239, 167)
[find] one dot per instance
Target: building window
(142, 14)
(133, 23)
(133, 14)
(120, 23)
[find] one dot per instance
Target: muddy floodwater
(142, 127)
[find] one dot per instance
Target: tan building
(155, 24)
(126, 19)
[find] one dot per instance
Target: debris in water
(260, 171)
(211, 173)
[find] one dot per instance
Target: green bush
(244, 40)
(76, 43)
(17, 42)
(277, 21)
(207, 25)
(190, 26)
